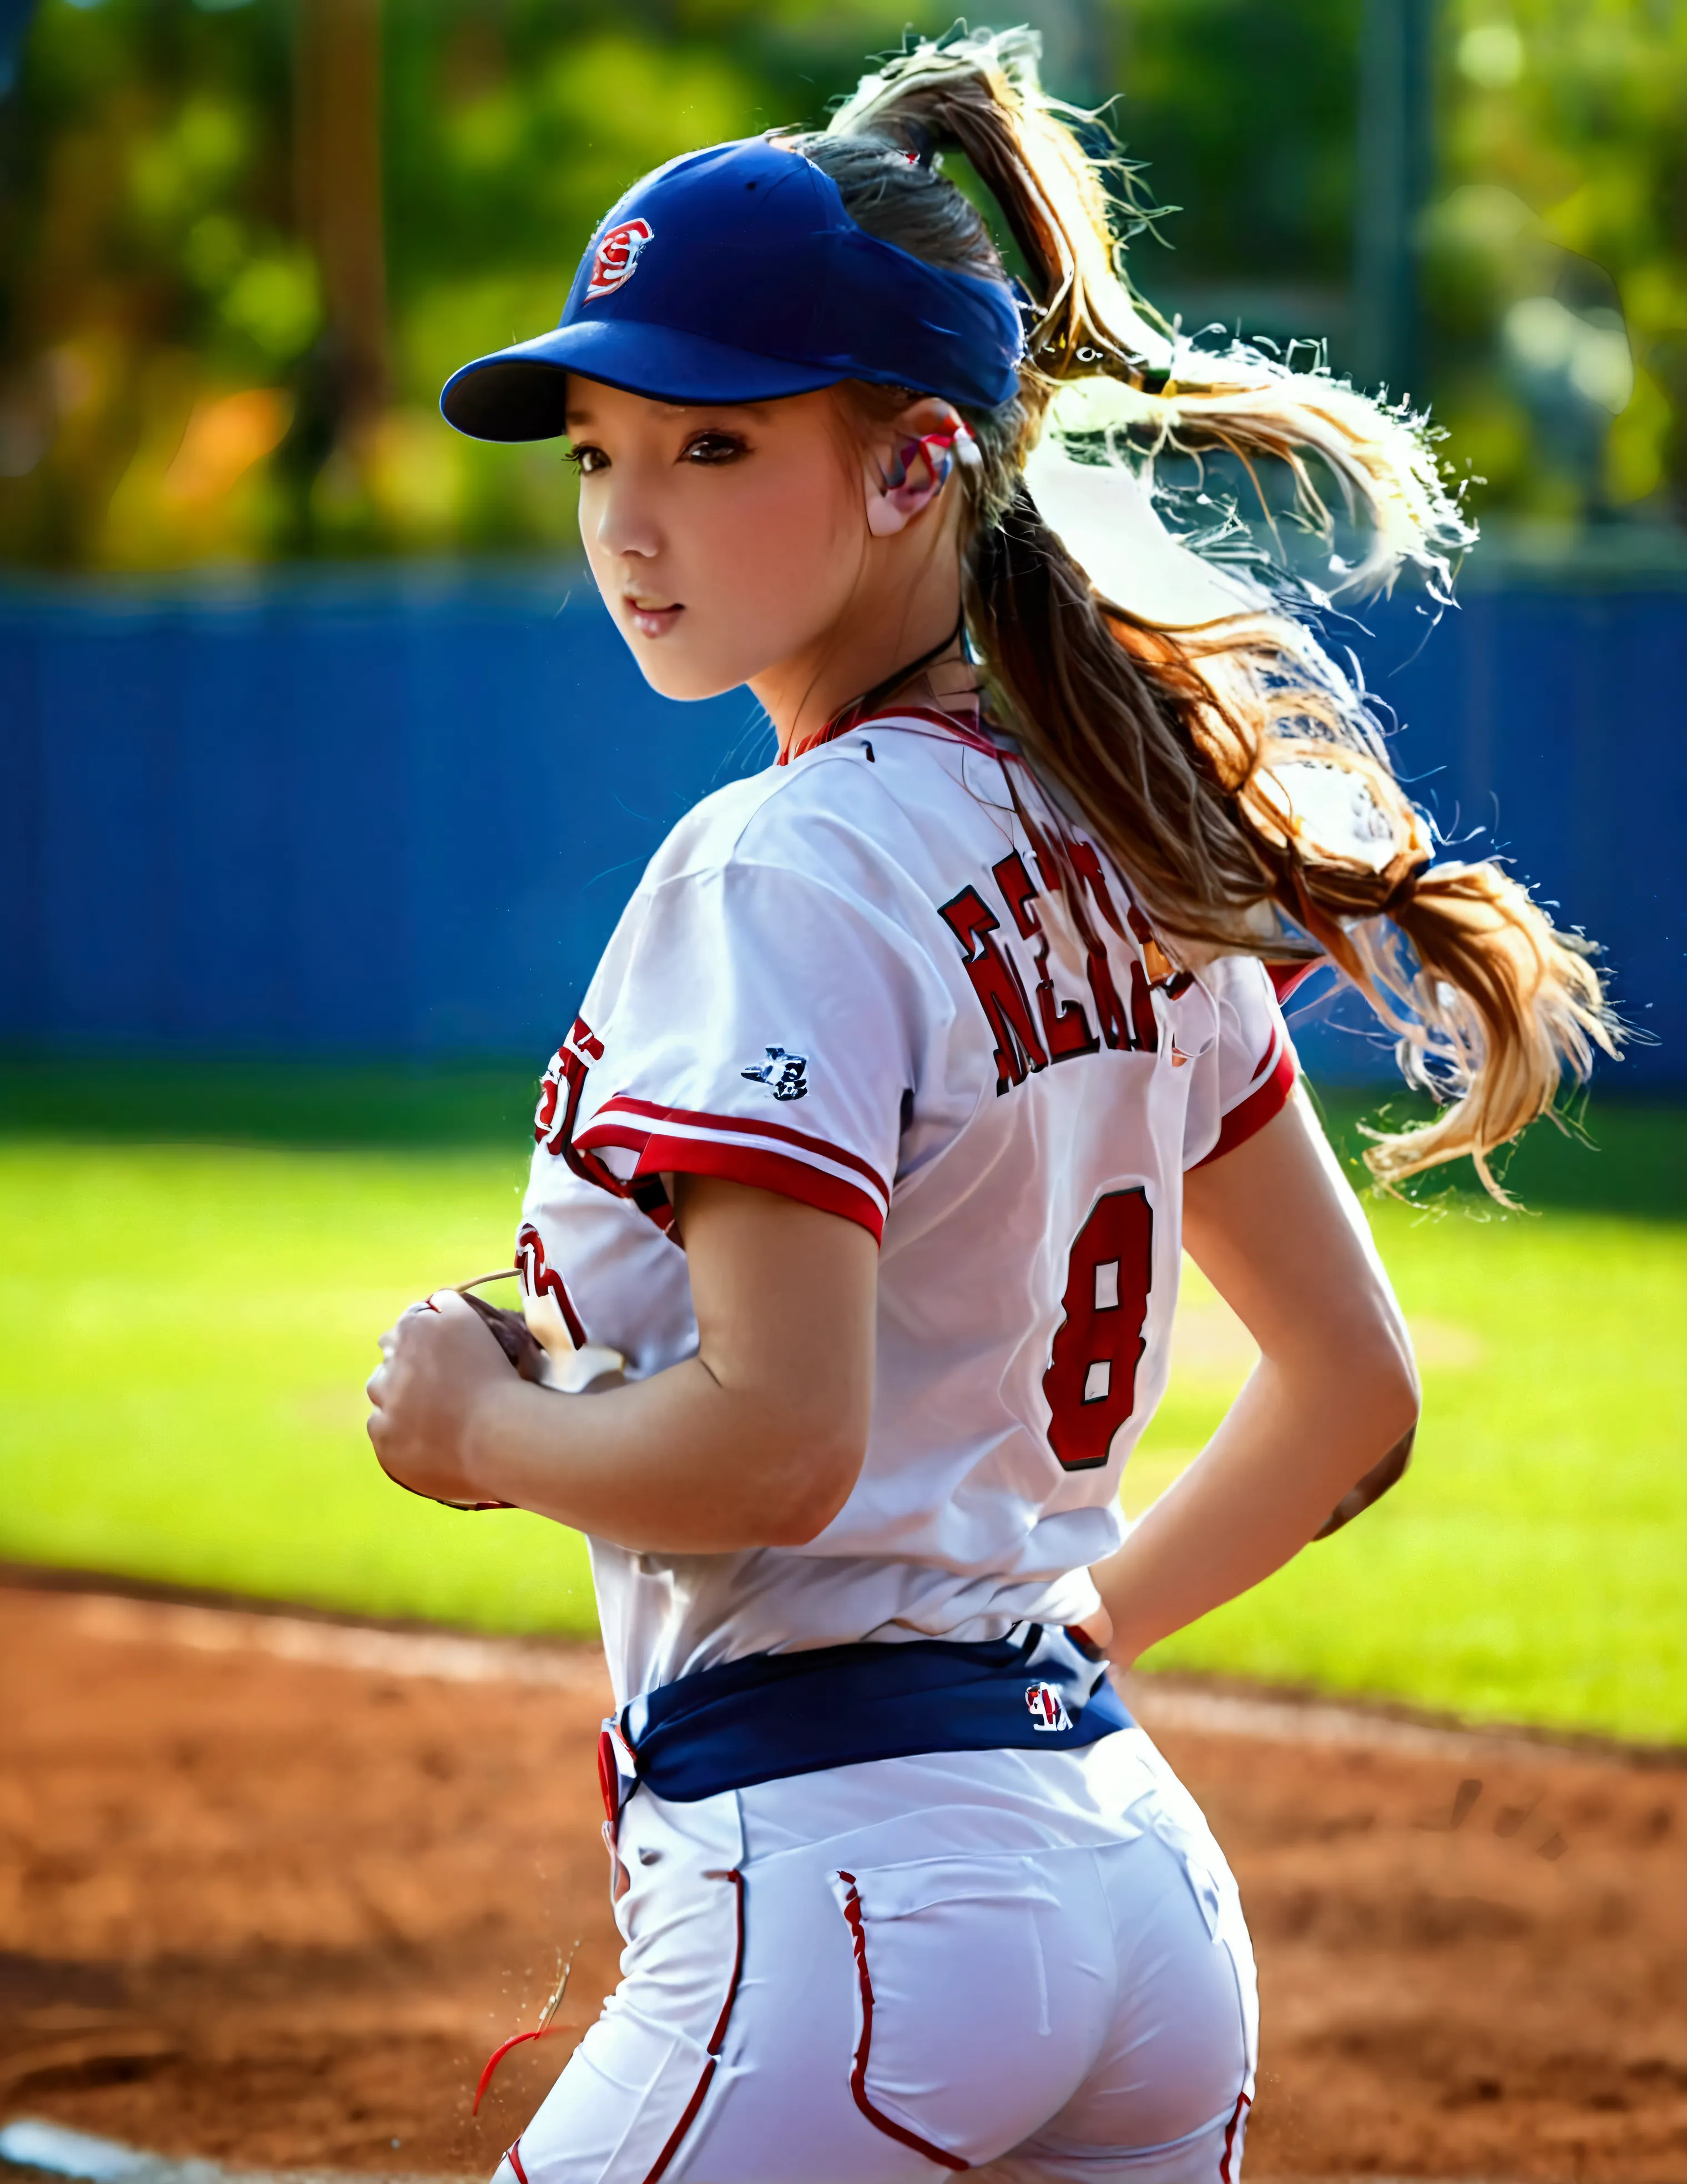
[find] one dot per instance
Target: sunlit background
(247, 239)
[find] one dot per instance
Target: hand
(439, 1362)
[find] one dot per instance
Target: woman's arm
(1280, 1235)
(755, 1442)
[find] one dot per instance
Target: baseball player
(863, 1175)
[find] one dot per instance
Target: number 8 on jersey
(1090, 1385)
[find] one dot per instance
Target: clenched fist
(438, 1365)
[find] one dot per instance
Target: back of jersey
(859, 980)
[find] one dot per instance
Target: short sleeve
(765, 1028)
(1248, 1072)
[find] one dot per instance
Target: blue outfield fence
(362, 816)
(361, 812)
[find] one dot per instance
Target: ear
(907, 469)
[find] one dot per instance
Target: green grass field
(191, 1283)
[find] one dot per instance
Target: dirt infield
(271, 1890)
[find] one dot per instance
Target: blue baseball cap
(735, 275)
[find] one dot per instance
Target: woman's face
(725, 540)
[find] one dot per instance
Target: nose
(625, 522)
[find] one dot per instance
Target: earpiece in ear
(919, 470)
(936, 451)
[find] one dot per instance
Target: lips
(649, 618)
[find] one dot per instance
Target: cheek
(765, 565)
(785, 562)
(792, 542)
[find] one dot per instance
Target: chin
(671, 674)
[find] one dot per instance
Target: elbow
(1386, 1402)
(803, 1525)
(1358, 1374)
(1359, 1370)
(1384, 1380)
(807, 1495)
(1404, 1390)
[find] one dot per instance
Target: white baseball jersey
(851, 979)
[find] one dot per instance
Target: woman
(912, 1066)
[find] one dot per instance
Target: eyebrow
(580, 414)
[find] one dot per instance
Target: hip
(915, 1966)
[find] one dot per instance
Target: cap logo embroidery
(617, 257)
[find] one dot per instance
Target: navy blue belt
(772, 1715)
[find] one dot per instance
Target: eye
(585, 458)
(714, 446)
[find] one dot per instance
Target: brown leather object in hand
(512, 1334)
(1371, 1488)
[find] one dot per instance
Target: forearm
(1289, 1448)
(755, 1441)
(1275, 1228)
(667, 1465)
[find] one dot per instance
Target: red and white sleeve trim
(770, 1155)
(1267, 1096)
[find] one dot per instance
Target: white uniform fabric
(915, 1967)
(851, 979)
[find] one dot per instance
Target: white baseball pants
(1029, 1965)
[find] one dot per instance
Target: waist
(663, 1620)
(772, 1715)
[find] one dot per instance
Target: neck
(947, 683)
(882, 632)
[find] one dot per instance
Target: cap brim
(521, 392)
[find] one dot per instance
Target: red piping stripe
(1286, 977)
(516, 2039)
(857, 2076)
(623, 1103)
(785, 1173)
(1269, 1060)
(1230, 2131)
(1254, 1113)
(897, 717)
(713, 2050)
(720, 2032)
(514, 2158)
(540, 1279)
(610, 1131)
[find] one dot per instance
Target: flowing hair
(1231, 769)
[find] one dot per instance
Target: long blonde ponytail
(1233, 769)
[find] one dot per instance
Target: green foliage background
(165, 394)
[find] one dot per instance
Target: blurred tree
(1393, 182)
(218, 341)
(245, 240)
(336, 156)
(157, 297)
(1243, 117)
(1556, 260)
(1553, 250)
